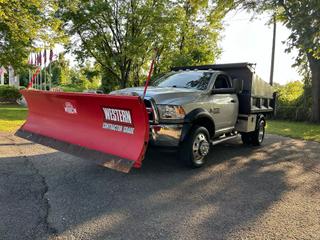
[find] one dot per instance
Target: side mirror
(237, 85)
(223, 90)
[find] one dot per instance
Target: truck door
(225, 103)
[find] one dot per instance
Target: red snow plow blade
(111, 130)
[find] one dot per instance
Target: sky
(251, 41)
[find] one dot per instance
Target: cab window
(222, 81)
(188, 79)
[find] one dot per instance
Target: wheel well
(207, 123)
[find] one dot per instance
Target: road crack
(43, 226)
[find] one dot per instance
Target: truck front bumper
(165, 134)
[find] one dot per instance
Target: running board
(215, 142)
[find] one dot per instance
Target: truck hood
(163, 95)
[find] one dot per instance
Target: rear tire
(256, 137)
(195, 148)
(258, 134)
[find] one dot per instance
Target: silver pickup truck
(200, 106)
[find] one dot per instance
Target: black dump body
(255, 96)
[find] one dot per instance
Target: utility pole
(273, 48)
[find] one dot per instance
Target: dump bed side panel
(261, 88)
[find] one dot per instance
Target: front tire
(195, 148)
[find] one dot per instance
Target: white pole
(273, 48)
(17, 81)
(30, 75)
(50, 75)
(2, 75)
(40, 78)
(37, 85)
(11, 76)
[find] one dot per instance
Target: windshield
(196, 80)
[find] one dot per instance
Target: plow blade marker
(111, 130)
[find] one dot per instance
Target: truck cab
(197, 107)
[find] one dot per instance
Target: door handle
(233, 101)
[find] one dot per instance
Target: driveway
(269, 192)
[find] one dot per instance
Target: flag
(51, 55)
(40, 58)
(45, 57)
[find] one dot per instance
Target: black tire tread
(185, 148)
(255, 135)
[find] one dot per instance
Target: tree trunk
(315, 72)
(125, 71)
(136, 75)
(123, 79)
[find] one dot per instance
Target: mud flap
(111, 130)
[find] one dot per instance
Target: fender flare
(193, 116)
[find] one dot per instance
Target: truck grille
(150, 110)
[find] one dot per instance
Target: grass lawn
(301, 130)
(11, 117)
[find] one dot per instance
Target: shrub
(290, 94)
(292, 113)
(71, 88)
(293, 102)
(9, 94)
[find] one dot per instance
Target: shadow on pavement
(163, 199)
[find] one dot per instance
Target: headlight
(171, 112)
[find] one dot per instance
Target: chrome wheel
(261, 131)
(200, 147)
(194, 149)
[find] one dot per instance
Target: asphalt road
(269, 192)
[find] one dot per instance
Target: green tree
(115, 33)
(302, 18)
(122, 34)
(60, 71)
(192, 37)
(23, 25)
(88, 76)
(290, 93)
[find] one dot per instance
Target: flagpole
(37, 76)
(41, 82)
(37, 87)
(40, 77)
(45, 69)
(37, 79)
(29, 63)
(29, 68)
(29, 76)
(50, 63)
